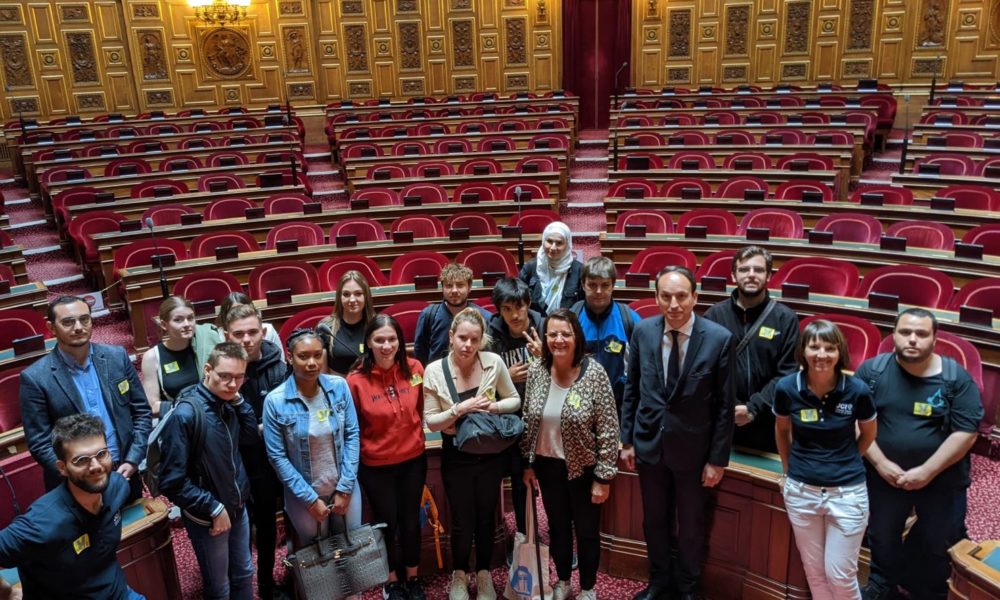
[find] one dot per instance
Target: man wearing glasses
(83, 377)
(66, 545)
(202, 473)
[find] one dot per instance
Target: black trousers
(569, 509)
(673, 501)
(472, 484)
(518, 491)
(920, 563)
(266, 499)
(394, 493)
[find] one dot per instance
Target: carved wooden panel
(296, 51)
(517, 53)
(680, 33)
(409, 46)
(797, 20)
(933, 20)
(154, 60)
(860, 25)
(462, 43)
(737, 29)
(14, 53)
(81, 57)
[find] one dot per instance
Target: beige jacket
(437, 398)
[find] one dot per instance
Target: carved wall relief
(74, 12)
(154, 63)
(932, 23)
(678, 74)
(226, 52)
(10, 14)
(465, 84)
(860, 25)
(406, 6)
(734, 73)
(296, 56)
(737, 27)
(517, 82)
(24, 105)
(409, 45)
(145, 11)
(462, 39)
(516, 43)
(159, 97)
(291, 8)
(793, 71)
(300, 90)
(90, 102)
(352, 7)
(360, 89)
(16, 68)
(412, 87)
(680, 32)
(81, 57)
(357, 49)
(797, 26)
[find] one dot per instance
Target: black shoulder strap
(627, 321)
(752, 332)
(577, 307)
(447, 377)
(197, 424)
(949, 373)
(878, 366)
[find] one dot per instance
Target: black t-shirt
(347, 346)
(914, 418)
(824, 447)
(178, 370)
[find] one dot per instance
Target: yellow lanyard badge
(922, 409)
(809, 415)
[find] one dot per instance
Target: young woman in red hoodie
(388, 393)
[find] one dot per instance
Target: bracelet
(454, 411)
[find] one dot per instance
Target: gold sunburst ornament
(219, 12)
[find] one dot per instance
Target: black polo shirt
(62, 551)
(824, 447)
(914, 418)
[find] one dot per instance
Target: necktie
(674, 362)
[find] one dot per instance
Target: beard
(907, 358)
(89, 486)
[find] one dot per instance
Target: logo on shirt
(117, 518)
(937, 400)
(845, 409)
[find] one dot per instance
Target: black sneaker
(415, 590)
(394, 591)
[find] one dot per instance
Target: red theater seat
(890, 194)
(476, 223)
(16, 323)
(286, 203)
(618, 189)
(305, 232)
(851, 227)
(533, 220)
(227, 208)
(793, 190)
(980, 293)
(655, 221)
(675, 187)
(429, 193)
(486, 259)
(204, 245)
(207, 285)
(298, 276)
(332, 270)
(366, 230)
(972, 197)
(304, 319)
(822, 275)
(913, 284)
(166, 214)
(716, 220)
(651, 260)
(406, 314)
(734, 187)
(987, 236)
(422, 226)
(861, 336)
(923, 234)
(781, 223)
(717, 264)
(406, 267)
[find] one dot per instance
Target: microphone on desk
(617, 73)
(520, 229)
(164, 289)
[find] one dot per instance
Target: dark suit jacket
(48, 393)
(694, 425)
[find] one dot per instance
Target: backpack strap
(752, 332)
(447, 377)
(628, 323)
(878, 366)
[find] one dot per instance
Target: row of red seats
(128, 166)
(969, 197)
(493, 143)
(959, 164)
(469, 192)
(971, 101)
(727, 117)
(740, 137)
(696, 160)
(913, 284)
(124, 131)
(957, 117)
(962, 139)
(864, 86)
(473, 97)
(506, 125)
(423, 113)
(847, 227)
(473, 166)
(109, 117)
(100, 149)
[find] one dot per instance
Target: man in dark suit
(79, 376)
(677, 429)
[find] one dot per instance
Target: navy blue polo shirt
(824, 448)
(62, 551)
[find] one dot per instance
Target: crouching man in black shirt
(928, 411)
(66, 545)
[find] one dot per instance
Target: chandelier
(219, 12)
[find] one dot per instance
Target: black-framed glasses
(84, 459)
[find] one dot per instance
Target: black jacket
(511, 350)
(262, 376)
(572, 291)
(200, 482)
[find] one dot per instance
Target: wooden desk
(107, 243)
(521, 139)
(142, 284)
(866, 257)
(401, 105)
(361, 168)
(926, 186)
(921, 131)
(556, 182)
(531, 119)
(32, 295)
(917, 151)
(742, 111)
(773, 177)
(975, 571)
(804, 94)
(9, 361)
(13, 257)
(959, 220)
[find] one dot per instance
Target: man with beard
(928, 411)
(431, 340)
(265, 371)
(765, 332)
(66, 545)
(79, 376)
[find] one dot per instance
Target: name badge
(922, 409)
(361, 348)
(416, 379)
(573, 399)
(81, 543)
(172, 367)
(123, 387)
(323, 415)
(767, 333)
(490, 395)
(809, 415)
(615, 347)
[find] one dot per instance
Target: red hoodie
(390, 413)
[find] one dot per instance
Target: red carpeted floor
(583, 212)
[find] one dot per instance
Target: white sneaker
(587, 595)
(561, 590)
(459, 587)
(484, 586)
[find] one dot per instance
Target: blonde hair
(169, 305)
(471, 315)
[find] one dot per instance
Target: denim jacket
(286, 435)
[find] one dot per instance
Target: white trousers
(829, 524)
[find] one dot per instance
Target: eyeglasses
(68, 322)
(84, 459)
(230, 377)
(555, 335)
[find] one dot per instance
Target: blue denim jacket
(286, 435)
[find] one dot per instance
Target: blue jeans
(307, 528)
(225, 561)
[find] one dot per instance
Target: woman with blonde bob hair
(343, 332)
(825, 421)
(469, 380)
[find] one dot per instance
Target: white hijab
(552, 274)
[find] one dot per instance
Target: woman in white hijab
(554, 277)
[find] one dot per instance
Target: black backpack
(949, 373)
(150, 467)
